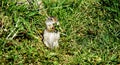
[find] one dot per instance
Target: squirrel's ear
(49, 18)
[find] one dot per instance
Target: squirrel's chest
(51, 36)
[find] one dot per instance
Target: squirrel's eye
(49, 18)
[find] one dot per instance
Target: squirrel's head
(51, 23)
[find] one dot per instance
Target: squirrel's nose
(52, 27)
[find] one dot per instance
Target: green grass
(90, 33)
